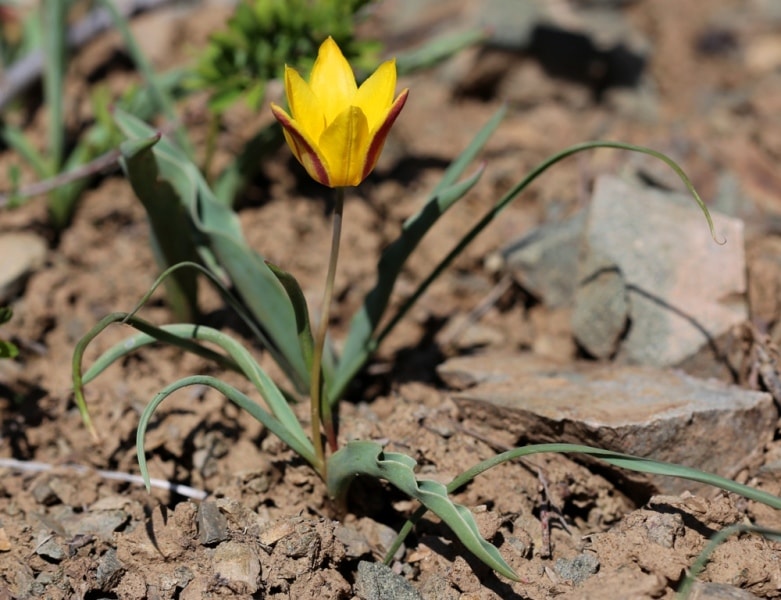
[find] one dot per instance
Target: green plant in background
(70, 174)
(7, 349)
(335, 129)
(263, 36)
(18, 33)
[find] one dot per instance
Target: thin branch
(38, 467)
(98, 165)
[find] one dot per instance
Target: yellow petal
(304, 105)
(344, 144)
(332, 80)
(303, 147)
(375, 95)
(379, 135)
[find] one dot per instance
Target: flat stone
(49, 547)
(719, 591)
(577, 569)
(238, 566)
(643, 411)
(682, 288)
(376, 581)
(23, 253)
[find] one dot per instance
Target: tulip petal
(378, 137)
(305, 108)
(303, 147)
(332, 80)
(344, 144)
(375, 95)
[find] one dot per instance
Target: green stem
(318, 403)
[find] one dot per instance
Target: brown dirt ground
(716, 111)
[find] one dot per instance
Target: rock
(642, 411)
(601, 312)
(764, 281)
(23, 253)
(719, 591)
(5, 543)
(376, 581)
(577, 569)
(212, 524)
(355, 543)
(109, 571)
(100, 523)
(664, 528)
(545, 262)
(238, 566)
(682, 288)
(48, 547)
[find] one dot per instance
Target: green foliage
(7, 349)
(264, 35)
(50, 28)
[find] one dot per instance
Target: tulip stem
(321, 407)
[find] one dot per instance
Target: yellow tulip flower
(336, 129)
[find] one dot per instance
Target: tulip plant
(336, 129)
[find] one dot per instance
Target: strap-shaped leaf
(360, 343)
(368, 458)
(182, 335)
(169, 222)
(625, 461)
(301, 310)
(235, 396)
(226, 246)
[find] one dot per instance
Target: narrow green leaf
(359, 344)
(18, 141)
(437, 50)
(224, 244)
(55, 26)
(241, 400)
(182, 336)
(699, 564)
(301, 310)
(625, 461)
(169, 222)
(368, 458)
(6, 313)
(157, 91)
(457, 168)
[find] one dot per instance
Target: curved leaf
(625, 461)
(182, 335)
(235, 396)
(368, 458)
(223, 243)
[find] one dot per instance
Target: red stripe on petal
(303, 149)
(378, 140)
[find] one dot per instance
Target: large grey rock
(642, 411)
(682, 288)
(545, 262)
